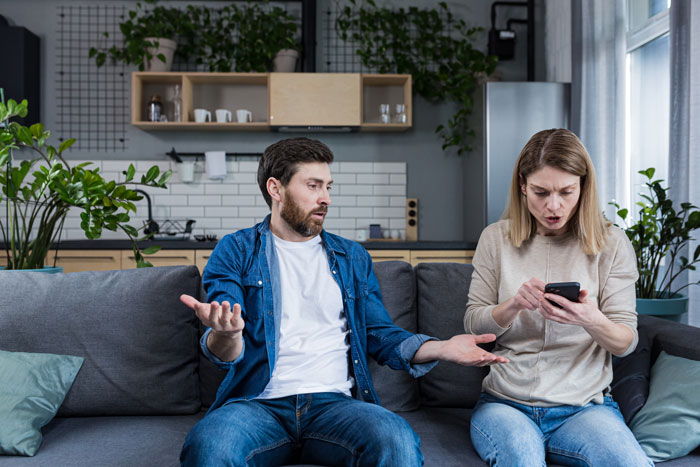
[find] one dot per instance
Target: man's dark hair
(281, 160)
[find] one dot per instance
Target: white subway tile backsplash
(249, 189)
(226, 211)
(364, 193)
(373, 179)
(355, 167)
(355, 212)
(221, 189)
(208, 200)
(355, 189)
(258, 212)
(379, 201)
(389, 212)
(390, 167)
(397, 179)
(389, 190)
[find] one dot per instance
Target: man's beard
(301, 222)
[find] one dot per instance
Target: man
(306, 311)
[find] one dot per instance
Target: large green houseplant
(660, 234)
(432, 46)
(37, 193)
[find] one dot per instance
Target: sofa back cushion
(397, 390)
(139, 342)
(442, 290)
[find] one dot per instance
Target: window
(648, 94)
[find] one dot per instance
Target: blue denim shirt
(243, 269)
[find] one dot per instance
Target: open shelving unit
(274, 99)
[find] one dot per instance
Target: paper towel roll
(216, 164)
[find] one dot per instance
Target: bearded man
(292, 313)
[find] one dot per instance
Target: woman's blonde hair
(563, 150)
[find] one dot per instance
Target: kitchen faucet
(151, 225)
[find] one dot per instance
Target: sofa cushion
(668, 426)
(397, 390)
(32, 387)
(139, 342)
(142, 441)
(442, 290)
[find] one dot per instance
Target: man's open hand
(462, 349)
(220, 318)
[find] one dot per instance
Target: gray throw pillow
(442, 300)
(397, 390)
(139, 342)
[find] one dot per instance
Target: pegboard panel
(92, 104)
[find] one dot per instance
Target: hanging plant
(444, 67)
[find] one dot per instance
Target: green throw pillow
(668, 426)
(32, 388)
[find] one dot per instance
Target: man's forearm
(227, 348)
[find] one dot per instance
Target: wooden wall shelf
(274, 99)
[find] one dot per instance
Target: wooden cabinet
(308, 99)
(201, 258)
(161, 258)
(390, 255)
(86, 260)
(274, 99)
(441, 256)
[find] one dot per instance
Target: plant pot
(669, 308)
(285, 61)
(166, 47)
(45, 269)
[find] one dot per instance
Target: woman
(552, 399)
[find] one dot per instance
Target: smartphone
(568, 290)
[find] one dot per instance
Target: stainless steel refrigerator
(505, 116)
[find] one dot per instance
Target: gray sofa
(143, 383)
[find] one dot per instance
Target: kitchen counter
(207, 245)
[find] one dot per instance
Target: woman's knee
(502, 435)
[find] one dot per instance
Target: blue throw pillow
(668, 426)
(32, 388)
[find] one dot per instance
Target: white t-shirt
(313, 349)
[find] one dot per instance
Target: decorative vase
(671, 308)
(167, 48)
(285, 61)
(45, 269)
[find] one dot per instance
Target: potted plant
(659, 236)
(150, 37)
(37, 193)
(245, 38)
(443, 66)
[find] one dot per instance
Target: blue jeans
(323, 428)
(506, 433)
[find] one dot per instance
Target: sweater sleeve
(617, 298)
(483, 291)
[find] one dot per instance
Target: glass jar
(177, 104)
(154, 109)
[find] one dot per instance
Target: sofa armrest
(673, 338)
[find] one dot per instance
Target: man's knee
(392, 441)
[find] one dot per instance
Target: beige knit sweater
(550, 363)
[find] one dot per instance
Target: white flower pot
(166, 47)
(285, 61)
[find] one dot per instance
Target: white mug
(361, 235)
(186, 169)
(244, 116)
(202, 115)
(223, 115)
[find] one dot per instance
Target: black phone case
(568, 290)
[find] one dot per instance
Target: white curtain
(598, 89)
(684, 140)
